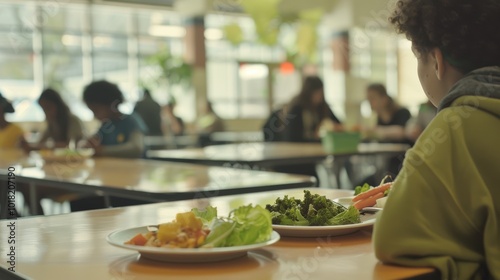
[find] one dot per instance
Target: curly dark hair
(465, 31)
(102, 92)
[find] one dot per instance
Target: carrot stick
(368, 202)
(381, 188)
(139, 239)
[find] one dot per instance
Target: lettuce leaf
(253, 225)
(206, 215)
(218, 234)
(245, 225)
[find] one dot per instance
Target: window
(75, 44)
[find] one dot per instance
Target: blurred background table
(147, 180)
(299, 158)
(268, 154)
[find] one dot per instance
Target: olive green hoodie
(444, 208)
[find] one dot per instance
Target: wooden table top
(74, 246)
(267, 153)
(149, 179)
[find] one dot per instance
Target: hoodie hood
(483, 82)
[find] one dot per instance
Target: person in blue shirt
(120, 135)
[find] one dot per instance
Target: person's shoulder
(136, 122)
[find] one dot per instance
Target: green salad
(243, 226)
(312, 210)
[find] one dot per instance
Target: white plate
(367, 220)
(346, 200)
(183, 255)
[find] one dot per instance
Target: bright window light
(213, 34)
(71, 40)
(167, 31)
(253, 71)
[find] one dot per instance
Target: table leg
(33, 200)
(107, 201)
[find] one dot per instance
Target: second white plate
(367, 220)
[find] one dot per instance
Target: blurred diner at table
(62, 126)
(11, 134)
(391, 117)
(173, 125)
(208, 123)
(120, 135)
(150, 112)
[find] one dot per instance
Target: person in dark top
(391, 118)
(150, 112)
(300, 121)
(390, 128)
(305, 114)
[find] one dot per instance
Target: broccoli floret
(286, 211)
(296, 217)
(311, 212)
(321, 217)
(290, 217)
(349, 216)
(304, 205)
(283, 204)
(314, 210)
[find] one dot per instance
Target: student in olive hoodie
(444, 208)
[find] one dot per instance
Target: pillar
(195, 55)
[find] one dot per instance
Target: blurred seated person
(11, 135)
(208, 123)
(150, 112)
(300, 121)
(62, 125)
(390, 128)
(391, 118)
(416, 126)
(120, 135)
(63, 129)
(305, 114)
(173, 125)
